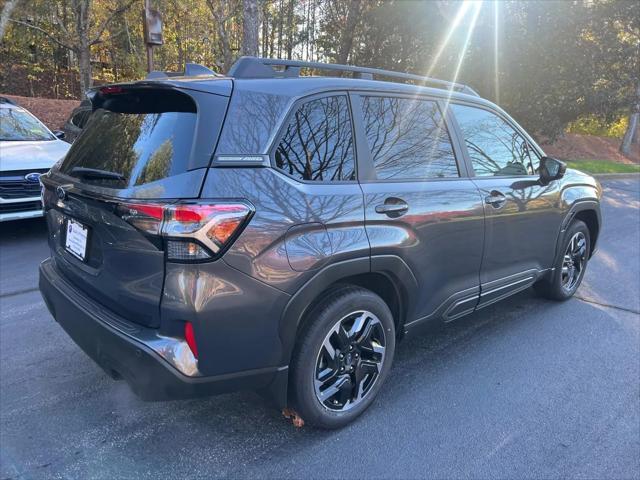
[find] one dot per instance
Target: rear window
(134, 139)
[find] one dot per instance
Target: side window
(494, 146)
(318, 142)
(408, 139)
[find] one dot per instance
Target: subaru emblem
(32, 177)
(61, 194)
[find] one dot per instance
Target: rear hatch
(143, 143)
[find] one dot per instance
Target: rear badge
(60, 193)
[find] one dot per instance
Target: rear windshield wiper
(85, 172)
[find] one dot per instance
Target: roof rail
(254, 67)
(190, 70)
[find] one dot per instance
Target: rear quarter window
(251, 121)
(317, 143)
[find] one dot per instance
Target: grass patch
(602, 166)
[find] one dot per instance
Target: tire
(322, 394)
(559, 284)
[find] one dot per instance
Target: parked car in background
(280, 233)
(27, 150)
(77, 121)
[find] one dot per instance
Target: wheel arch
(587, 211)
(590, 218)
(387, 275)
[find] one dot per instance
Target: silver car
(27, 150)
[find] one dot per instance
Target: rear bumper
(152, 365)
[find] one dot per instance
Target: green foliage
(603, 166)
(593, 125)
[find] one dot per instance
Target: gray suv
(279, 233)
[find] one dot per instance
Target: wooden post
(147, 6)
(149, 58)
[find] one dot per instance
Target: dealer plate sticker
(76, 241)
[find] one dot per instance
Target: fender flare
(578, 206)
(390, 265)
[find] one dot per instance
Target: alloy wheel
(350, 361)
(573, 261)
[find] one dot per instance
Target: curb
(612, 176)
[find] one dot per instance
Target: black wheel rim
(573, 261)
(350, 361)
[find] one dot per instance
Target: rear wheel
(570, 268)
(343, 357)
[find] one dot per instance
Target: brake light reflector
(190, 337)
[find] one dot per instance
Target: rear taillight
(145, 217)
(192, 232)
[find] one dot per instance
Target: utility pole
(152, 22)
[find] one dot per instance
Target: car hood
(31, 155)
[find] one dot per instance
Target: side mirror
(59, 134)
(551, 169)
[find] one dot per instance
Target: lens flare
(462, 10)
(463, 50)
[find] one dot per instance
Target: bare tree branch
(41, 30)
(59, 22)
(107, 22)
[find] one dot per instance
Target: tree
(339, 22)
(631, 135)
(250, 27)
(7, 10)
(79, 39)
(223, 12)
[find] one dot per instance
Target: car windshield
(17, 124)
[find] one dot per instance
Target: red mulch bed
(573, 146)
(53, 113)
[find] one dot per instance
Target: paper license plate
(76, 239)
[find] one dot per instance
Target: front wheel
(570, 268)
(343, 357)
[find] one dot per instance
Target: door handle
(393, 207)
(496, 199)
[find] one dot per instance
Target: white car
(27, 150)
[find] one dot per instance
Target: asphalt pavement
(525, 388)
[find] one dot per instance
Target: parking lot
(524, 388)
